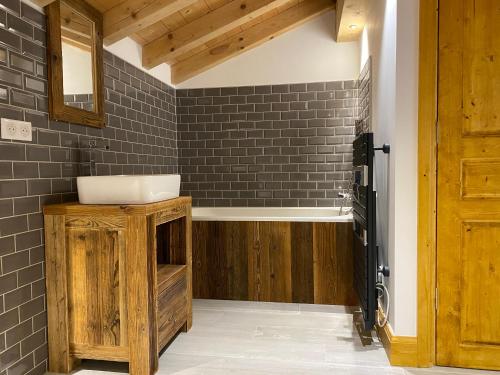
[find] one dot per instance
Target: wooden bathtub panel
(333, 266)
(345, 269)
(273, 261)
(201, 288)
(233, 235)
(220, 264)
(302, 263)
(269, 261)
(325, 265)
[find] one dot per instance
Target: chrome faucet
(91, 146)
(346, 196)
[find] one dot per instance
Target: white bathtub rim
(287, 214)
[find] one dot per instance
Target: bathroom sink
(127, 189)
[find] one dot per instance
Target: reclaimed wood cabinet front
(118, 281)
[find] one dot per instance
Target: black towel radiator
(364, 203)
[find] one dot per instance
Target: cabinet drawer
(172, 310)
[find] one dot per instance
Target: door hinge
(436, 301)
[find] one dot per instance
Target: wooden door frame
(427, 183)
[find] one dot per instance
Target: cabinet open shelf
(172, 301)
(167, 275)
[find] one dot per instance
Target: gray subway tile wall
(141, 136)
(281, 145)
(364, 92)
(81, 101)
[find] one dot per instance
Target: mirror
(77, 33)
(75, 63)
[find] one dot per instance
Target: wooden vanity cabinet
(118, 281)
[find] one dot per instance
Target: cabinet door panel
(97, 285)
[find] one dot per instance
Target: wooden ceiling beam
(350, 17)
(249, 38)
(131, 16)
(212, 25)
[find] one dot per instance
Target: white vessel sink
(127, 189)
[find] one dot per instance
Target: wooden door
(468, 216)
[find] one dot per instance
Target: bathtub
(289, 214)
(300, 255)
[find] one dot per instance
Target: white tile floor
(230, 337)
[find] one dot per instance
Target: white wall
(131, 52)
(391, 38)
(305, 54)
(406, 168)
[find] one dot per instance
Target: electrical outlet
(17, 130)
(24, 130)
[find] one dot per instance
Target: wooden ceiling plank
(195, 11)
(103, 5)
(350, 20)
(214, 4)
(173, 22)
(131, 16)
(249, 38)
(216, 23)
(272, 13)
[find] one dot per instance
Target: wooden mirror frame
(58, 110)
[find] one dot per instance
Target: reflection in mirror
(77, 35)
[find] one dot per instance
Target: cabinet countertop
(75, 208)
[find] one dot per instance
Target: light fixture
(353, 26)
